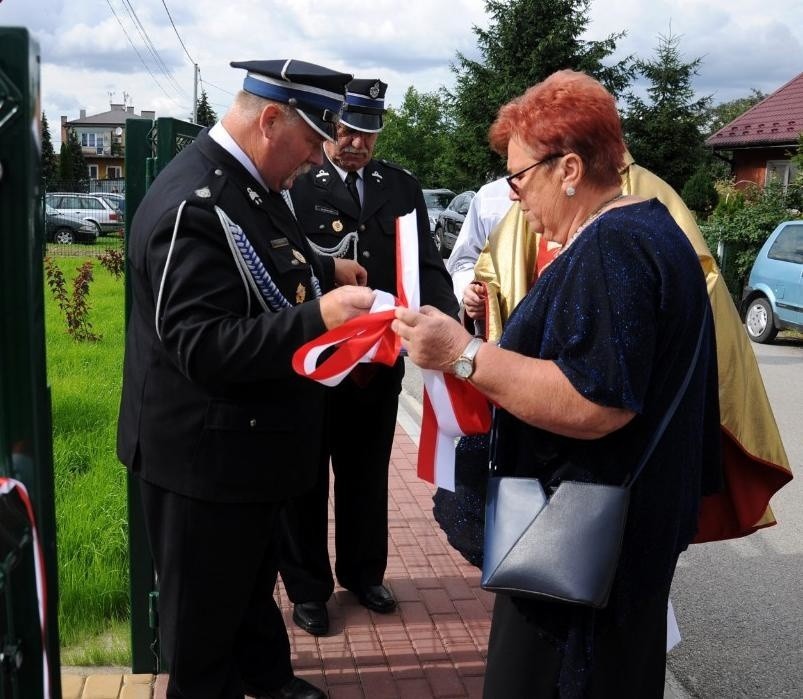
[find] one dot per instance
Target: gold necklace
(593, 216)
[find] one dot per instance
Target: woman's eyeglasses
(511, 179)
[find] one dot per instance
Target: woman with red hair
(586, 369)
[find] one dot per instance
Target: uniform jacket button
(218, 172)
(252, 422)
(366, 253)
(362, 227)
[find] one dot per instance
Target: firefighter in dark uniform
(213, 422)
(348, 208)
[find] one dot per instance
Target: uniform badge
(376, 176)
(321, 177)
(374, 91)
(254, 196)
(299, 257)
(203, 193)
(301, 293)
(337, 225)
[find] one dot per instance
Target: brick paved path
(434, 645)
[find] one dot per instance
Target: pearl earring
(570, 191)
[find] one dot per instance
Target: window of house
(113, 172)
(783, 170)
(93, 172)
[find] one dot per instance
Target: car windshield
(437, 200)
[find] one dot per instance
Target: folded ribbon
(452, 407)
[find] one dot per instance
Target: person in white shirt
(488, 206)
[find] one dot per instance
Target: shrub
(75, 307)
(700, 194)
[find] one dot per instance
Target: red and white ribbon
(452, 408)
(7, 486)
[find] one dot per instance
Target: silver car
(87, 207)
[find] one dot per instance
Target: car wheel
(759, 321)
(63, 236)
(97, 228)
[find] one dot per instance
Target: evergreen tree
(205, 115)
(525, 42)
(416, 136)
(49, 165)
(666, 134)
(73, 170)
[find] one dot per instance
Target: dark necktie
(351, 185)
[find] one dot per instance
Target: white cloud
(744, 44)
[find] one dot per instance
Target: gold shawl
(754, 460)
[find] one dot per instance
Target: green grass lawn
(91, 517)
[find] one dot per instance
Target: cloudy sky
(99, 51)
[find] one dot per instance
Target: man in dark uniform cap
(213, 421)
(348, 209)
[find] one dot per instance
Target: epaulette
(396, 166)
(207, 191)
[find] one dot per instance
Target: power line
(139, 55)
(206, 82)
(177, 34)
(149, 45)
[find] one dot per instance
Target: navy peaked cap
(365, 105)
(316, 92)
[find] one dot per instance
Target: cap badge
(374, 91)
(254, 196)
(337, 225)
(301, 293)
(376, 176)
(203, 193)
(299, 257)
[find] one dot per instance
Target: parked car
(773, 297)
(91, 207)
(115, 200)
(67, 229)
(449, 221)
(436, 200)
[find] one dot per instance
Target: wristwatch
(464, 365)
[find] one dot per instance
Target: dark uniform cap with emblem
(365, 105)
(316, 92)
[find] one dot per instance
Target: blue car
(773, 297)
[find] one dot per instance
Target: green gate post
(148, 150)
(26, 447)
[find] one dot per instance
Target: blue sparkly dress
(619, 312)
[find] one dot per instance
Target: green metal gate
(26, 450)
(149, 147)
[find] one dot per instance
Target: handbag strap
(670, 412)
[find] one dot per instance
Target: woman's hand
(432, 339)
(474, 296)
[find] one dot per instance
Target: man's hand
(474, 300)
(345, 303)
(350, 272)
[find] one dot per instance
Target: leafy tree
(205, 116)
(665, 135)
(49, 164)
(525, 42)
(416, 136)
(73, 170)
(700, 194)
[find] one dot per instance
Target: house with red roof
(762, 141)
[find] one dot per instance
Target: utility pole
(195, 95)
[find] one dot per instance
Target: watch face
(463, 368)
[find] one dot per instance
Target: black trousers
(546, 650)
(360, 427)
(220, 628)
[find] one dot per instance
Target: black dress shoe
(296, 688)
(312, 617)
(377, 598)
